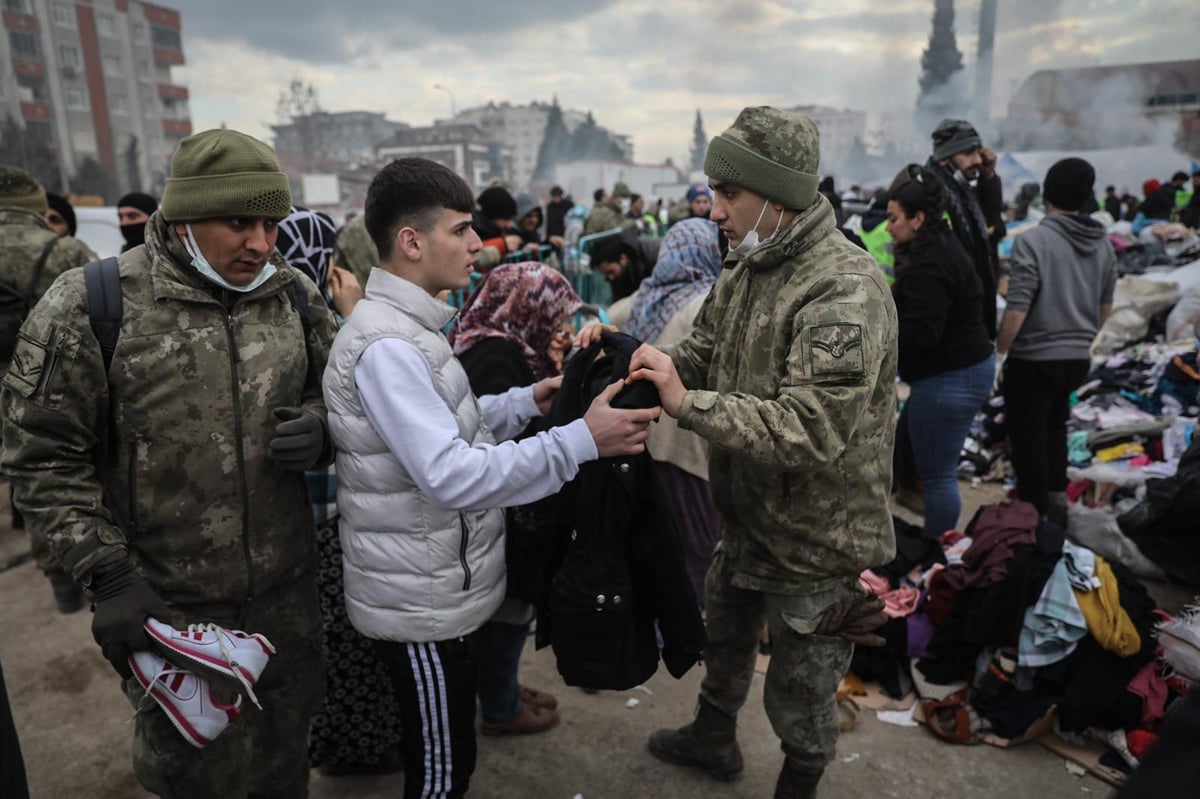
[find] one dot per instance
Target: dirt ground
(73, 724)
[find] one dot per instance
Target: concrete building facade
(521, 128)
(93, 80)
(332, 141)
(465, 148)
(839, 129)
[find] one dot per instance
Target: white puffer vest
(414, 572)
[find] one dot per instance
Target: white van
(99, 229)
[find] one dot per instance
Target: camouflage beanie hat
(771, 152)
(224, 173)
(18, 189)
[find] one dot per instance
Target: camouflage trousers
(804, 670)
(263, 753)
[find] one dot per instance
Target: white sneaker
(213, 651)
(186, 698)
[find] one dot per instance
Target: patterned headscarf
(306, 241)
(524, 303)
(688, 264)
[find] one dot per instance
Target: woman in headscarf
(357, 730)
(662, 313)
(514, 329)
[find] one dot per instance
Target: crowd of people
(279, 436)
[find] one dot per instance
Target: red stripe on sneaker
(177, 682)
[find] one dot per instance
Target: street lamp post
(440, 87)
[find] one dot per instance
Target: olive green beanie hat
(18, 189)
(771, 152)
(223, 173)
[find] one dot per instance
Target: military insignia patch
(28, 361)
(836, 349)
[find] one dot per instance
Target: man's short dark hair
(634, 198)
(412, 192)
(1179, 177)
(1110, 189)
(598, 195)
(556, 191)
(607, 250)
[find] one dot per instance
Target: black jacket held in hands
(618, 560)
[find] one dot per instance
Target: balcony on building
(19, 21)
(169, 91)
(177, 127)
(36, 110)
(165, 56)
(28, 68)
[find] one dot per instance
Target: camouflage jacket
(23, 238)
(165, 457)
(792, 368)
(605, 215)
(355, 250)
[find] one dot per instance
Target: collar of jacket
(383, 286)
(173, 276)
(22, 216)
(813, 224)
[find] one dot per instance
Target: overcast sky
(642, 66)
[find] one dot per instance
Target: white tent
(1124, 167)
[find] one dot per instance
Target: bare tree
(300, 108)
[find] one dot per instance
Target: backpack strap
(102, 279)
(298, 298)
(37, 269)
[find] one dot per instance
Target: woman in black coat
(946, 356)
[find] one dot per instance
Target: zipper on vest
(462, 552)
(239, 448)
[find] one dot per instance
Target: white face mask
(962, 178)
(750, 243)
(202, 266)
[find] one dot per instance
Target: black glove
(855, 619)
(122, 600)
(299, 439)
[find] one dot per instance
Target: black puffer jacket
(619, 560)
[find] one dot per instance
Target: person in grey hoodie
(1060, 292)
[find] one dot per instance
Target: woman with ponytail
(946, 356)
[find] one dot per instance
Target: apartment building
(92, 79)
(521, 128)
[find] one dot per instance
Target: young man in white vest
(422, 479)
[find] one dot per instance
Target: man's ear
(181, 230)
(409, 243)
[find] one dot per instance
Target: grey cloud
(317, 31)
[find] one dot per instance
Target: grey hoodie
(1062, 271)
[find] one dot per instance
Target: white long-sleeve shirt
(396, 387)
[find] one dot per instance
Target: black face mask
(134, 234)
(722, 243)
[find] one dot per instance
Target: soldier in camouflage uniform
(607, 214)
(31, 257)
(355, 250)
(173, 484)
(790, 375)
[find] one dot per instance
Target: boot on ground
(709, 743)
(796, 784)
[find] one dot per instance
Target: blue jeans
(498, 647)
(929, 438)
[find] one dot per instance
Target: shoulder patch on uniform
(28, 362)
(836, 349)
